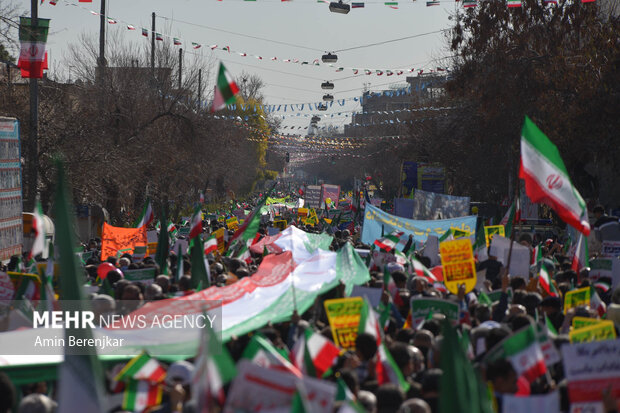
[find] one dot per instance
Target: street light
(329, 58)
(327, 85)
(328, 98)
(339, 7)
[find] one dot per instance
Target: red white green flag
(210, 245)
(196, 224)
(596, 303)
(260, 351)
(545, 282)
(140, 395)
(176, 41)
(546, 178)
(38, 247)
(145, 32)
(513, 3)
(147, 215)
(389, 242)
(225, 90)
(422, 271)
(158, 36)
(523, 350)
(580, 259)
(142, 367)
(32, 53)
(313, 354)
(513, 215)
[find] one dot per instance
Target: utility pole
(180, 66)
(101, 61)
(153, 45)
(199, 88)
(33, 171)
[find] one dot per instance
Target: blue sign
(376, 220)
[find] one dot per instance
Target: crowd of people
(416, 348)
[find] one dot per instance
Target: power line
(241, 34)
(391, 41)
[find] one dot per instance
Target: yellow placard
(310, 221)
(491, 230)
(302, 212)
(280, 224)
(576, 298)
(604, 330)
(457, 260)
(221, 218)
(344, 318)
(232, 223)
(580, 322)
(460, 233)
(151, 248)
(328, 220)
(219, 237)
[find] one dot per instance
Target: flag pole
(512, 233)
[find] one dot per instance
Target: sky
(298, 29)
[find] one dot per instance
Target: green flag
(200, 276)
(460, 387)
(81, 375)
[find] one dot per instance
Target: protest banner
(219, 236)
(548, 403)
(610, 249)
(377, 222)
(603, 330)
(591, 368)
(520, 260)
(421, 307)
(605, 267)
(490, 231)
(344, 317)
(144, 275)
(496, 294)
(457, 260)
(431, 205)
(372, 294)
(312, 197)
(257, 389)
(580, 322)
(280, 224)
(151, 248)
(114, 239)
(330, 192)
(139, 253)
(576, 298)
(184, 231)
(232, 223)
(302, 212)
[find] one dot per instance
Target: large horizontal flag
(267, 296)
(302, 244)
(547, 180)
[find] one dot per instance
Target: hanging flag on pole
(580, 259)
(546, 178)
(32, 53)
(225, 90)
(38, 247)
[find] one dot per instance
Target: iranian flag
(422, 271)
(32, 52)
(513, 215)
(172, 230)
(545, 282)
(580, 259)
(142, 367)
(386, 369)
(225, 90)
(260, 351)
(196, 224)
(210, 245)
(513, 3)
(214, 369)
(145, 32)
(389, 242)
(38, 247)
(523, 351)
(313, 354)
(141, 394)
(596, 303)
(176, 41)
(147, 215)
(546, 178)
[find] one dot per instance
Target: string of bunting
(177, 41)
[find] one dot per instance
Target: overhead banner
(376, 220)
(115, 239)
(11, 220)
(312, 197)
(330, 192)
(430, 205)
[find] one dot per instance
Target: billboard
(11, 231)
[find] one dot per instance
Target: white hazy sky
(307, 24)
